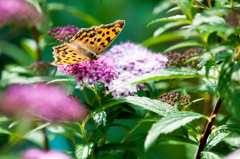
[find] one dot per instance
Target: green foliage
(168, 124)
(138, 126)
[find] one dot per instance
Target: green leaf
(212, 38)
(183, 44)
(219, 134)
(60, 80)
(139, 151)
(168, 124)
(172, 18)
(60, 130)
(15, 53)
(228, 94)
(167, 26)
(144, 102)
(236, 72)
(14, 78)
(83, 150)
(156, 106)
(4, 131)
(168, 73)
(73, 11)
(211, 155)
(197, 89)
(215, 137)
(37, 128)
(100, 119)
(30, 46)
(99, 133)
(166, 37)
(163, 5)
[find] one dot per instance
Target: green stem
(130, 132)
(202, 37)
(35, 34)
(215, 64)
(95, 92)
(83, 131)
(85, 96)
(73, 139)
(232, 3)
(55, 71)
(171, 83)
(209, 4)
(46, 146)
(202, 5)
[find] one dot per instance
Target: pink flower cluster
(35, 153)
(63, 34)
(49, 103)
(133, 60)
(91, 72)
(18, 11)
(122, 63)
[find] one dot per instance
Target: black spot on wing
(99, 32)
(92, 35)
(98, 40)
(108, 39)
(58, 59)
(91, 42)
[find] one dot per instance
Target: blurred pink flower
(18, 11)
(35, 153)
(63, 34)
(44, 101)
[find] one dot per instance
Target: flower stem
(46, 146)
(130, 132)
(208, 127)
(209, 4)
(35, 34)
(85, 96)
(215, 64)
(95, 92)
(83, 131)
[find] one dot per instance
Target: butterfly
(86, 44)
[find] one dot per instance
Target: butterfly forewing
(107, 33)
(86, 37)
(66, 54)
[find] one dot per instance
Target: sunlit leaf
(169, 73)
(168, 124)
(172, 18)
(184, 44)
(83, 150)
(167, 26)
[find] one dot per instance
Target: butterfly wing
(107, 33)
(66, 54)
(87, 38)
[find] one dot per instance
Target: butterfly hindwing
(86, 37)
(66, 54)
(107, 33)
